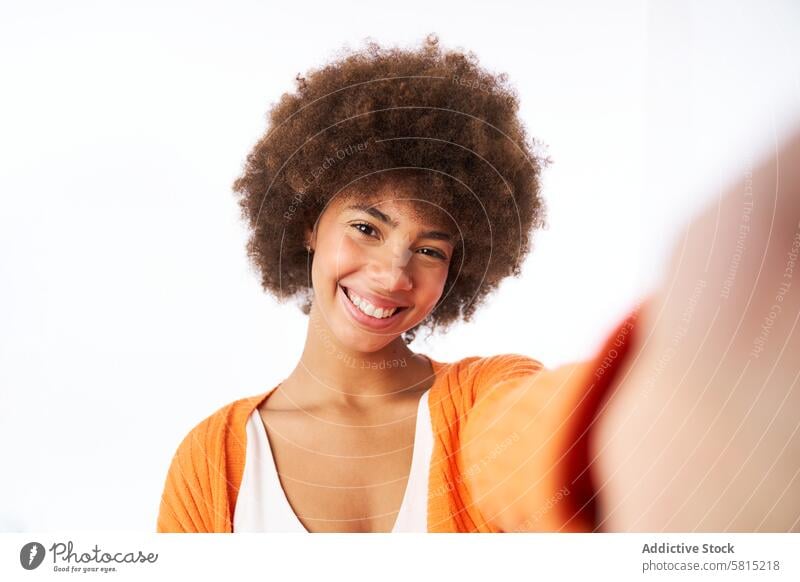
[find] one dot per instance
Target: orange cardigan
(510, 446)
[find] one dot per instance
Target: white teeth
(369, 308)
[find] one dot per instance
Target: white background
(128, 311)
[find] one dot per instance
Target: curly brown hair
(432, 122)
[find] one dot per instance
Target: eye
(366, 228)
(436, 254)
(366, 225)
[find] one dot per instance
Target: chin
(363, 341)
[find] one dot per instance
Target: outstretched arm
(687, 417)
(703, 431)
(529, 438)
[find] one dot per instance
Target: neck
(331, 373)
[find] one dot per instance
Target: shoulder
(484, 371)
(219, 426)
(203, 479)
(462, 383)
(477, 368)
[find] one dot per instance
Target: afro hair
(432, 122)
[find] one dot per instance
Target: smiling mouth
(372, 316)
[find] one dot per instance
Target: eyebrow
(377, 214)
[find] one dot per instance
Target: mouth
(364, 318)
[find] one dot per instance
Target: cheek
(430, 286)
(341, 257)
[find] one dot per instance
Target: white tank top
(262, 506)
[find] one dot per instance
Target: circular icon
(31, 555)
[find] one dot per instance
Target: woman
(393, 191)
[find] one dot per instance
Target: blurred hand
(702, 431)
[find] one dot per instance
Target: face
(378, 269)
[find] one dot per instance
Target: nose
(391, 271)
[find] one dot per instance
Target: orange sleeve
(186, 505)
(524, 446)
(496, 372)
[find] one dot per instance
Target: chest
(343, 472)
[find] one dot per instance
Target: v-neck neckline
(424, 399)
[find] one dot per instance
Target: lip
(375, 300)
(361, 317)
